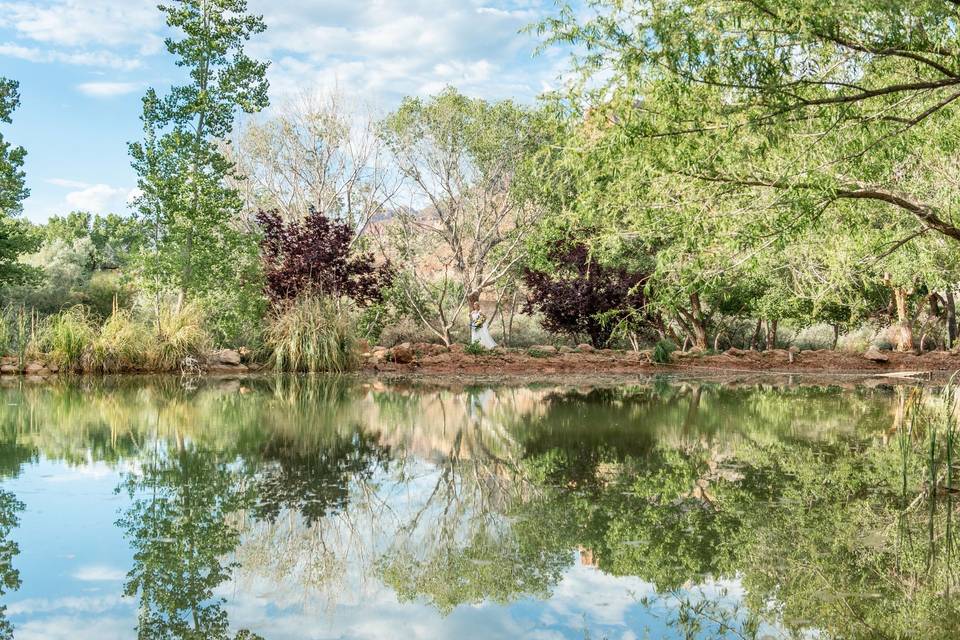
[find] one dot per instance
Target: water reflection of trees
(820, 504)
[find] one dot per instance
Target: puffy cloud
(79, 23)
(96, 198)
(108, 89)
(80, 58)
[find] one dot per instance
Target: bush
(818, 336)
(476, 349)
(67, 336)
(857, 341)
(662, 350)
(313, 334)
(179, 332)
(123, 344)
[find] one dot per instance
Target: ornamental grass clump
(122, 345)
(179, 334)
(313, 334)
(66, 337)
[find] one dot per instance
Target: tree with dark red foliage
(313, 255)
(581, 297)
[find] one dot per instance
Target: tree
(16, 236)
(462, 230)
(316, 152)
(578, 296)
(196, 245)
(312, 256)
(806, 98)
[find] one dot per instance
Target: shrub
(313, 334)
(662, 350)
(179, 332)
(123, 344)
(857, 341)
(818, 336)
(578, 296)
(66, 337)
(314, 256)
(476, 349)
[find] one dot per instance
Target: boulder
(875, 355)
(53, 368)
(544, 348)
(586, 348)
(566, 349)
(733, 351)
(34, 368)
(402, 353)
(225, 357)
(227, 368)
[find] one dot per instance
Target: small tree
(16, 237)
(313, 255)
(578, 296)
(462, 231)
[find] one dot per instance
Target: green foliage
(197, 244)
(662, 350)
(313, 334)
(67, 337)
(476, 349)
(121, 345)
(16, 236)
(180, 332)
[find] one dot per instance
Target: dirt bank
(435, 360)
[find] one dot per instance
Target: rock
(566, 349)
(9, 360)
(53, 368)
(875, 355)
(34, 368)
(8, 370)
(225, 357)
(402, 353)
(227, 368)
(733, 351)
(544, 348)
(586, 348)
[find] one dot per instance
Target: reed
(313, 334)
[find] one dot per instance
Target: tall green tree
(198, 246)
(16, 237)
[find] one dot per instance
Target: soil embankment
(437, 360)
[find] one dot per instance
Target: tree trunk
(951, 319)
(698, 323)
(836, 336)
(772, 334)
(755, 340)
(904, 325)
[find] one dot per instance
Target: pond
(298, 507)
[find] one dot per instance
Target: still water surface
(329, 508)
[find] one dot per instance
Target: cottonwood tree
(196, 247)
(317, 152)
(460, 230)
(16, 238)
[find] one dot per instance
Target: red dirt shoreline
(433, 360)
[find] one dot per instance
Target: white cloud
(80, 58)
(108, 89)
(99, 573)
(80, 23)
(96, 198)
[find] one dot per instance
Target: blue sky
(84, 64)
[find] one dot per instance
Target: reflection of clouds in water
(586, 600)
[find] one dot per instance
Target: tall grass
(313, 334)
(67, 337)
(122, 345)
(180, 333)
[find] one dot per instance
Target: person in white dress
(479, 327)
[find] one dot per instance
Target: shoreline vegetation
(654, 223)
